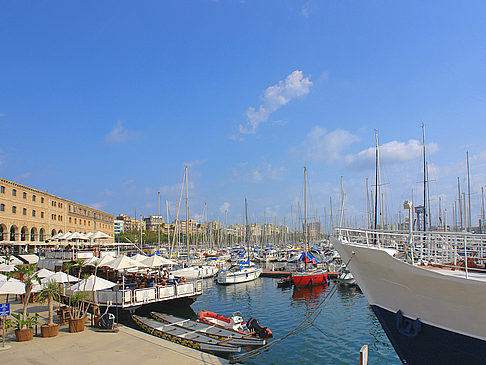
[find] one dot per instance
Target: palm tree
(28, 275)
(51, 291)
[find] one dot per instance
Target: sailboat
(314, 276)
(240, 272)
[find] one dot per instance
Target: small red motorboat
(235, 323)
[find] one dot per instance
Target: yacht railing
(137, 297)
(455, 250)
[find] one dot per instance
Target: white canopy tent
(139, 257)
(3, 277)
(61, 277)
(93, 283)
(12, 286)
(157, 261)
(122, 263)
(7, 268)
(44, 273)
(100, 234)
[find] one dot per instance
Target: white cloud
(194, 163)
(263, 172)
(128, 182)
(390, 153)
(224, 207)
(323, 146)
(274, 97)
(305, 11)
(99, 205)
(24, 176)
(119, 134)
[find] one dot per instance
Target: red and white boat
(234, 323)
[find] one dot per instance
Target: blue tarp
(308, 257)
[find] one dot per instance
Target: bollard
(363, 355)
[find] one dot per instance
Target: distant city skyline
(105, 105)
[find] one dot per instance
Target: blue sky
(105, 102)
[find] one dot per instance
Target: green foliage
(28, 275)
(50, 291)
(19, 322)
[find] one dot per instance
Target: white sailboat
(240, 272)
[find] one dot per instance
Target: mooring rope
(307, 322)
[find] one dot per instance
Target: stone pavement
(128, 346)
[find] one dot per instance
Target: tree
(28, 276)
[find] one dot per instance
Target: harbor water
(341, 329)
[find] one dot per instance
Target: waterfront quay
(127, 346)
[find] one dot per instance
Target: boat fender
(406, 326)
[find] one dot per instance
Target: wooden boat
(229, 336)
(235, 323)
(182, 336)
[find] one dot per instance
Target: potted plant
(50, 292)
(24, 324)
(78, 310)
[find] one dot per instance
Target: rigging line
(329, 337)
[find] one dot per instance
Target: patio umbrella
(44, 273)
(61, 277)
(12, 261)
(93, 283)
(6, 268)
(157, 261)
(122, 263)
(91, 261)
(105, 259)
(12, 286)
(3, 277)
(139, 257)
(100, 234)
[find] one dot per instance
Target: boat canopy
(308, 257)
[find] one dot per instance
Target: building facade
(154, 222)
(28, 214)
(118, 226)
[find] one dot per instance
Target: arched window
(53, 232)
(13, 233)
(23, 234)
(33, 234)
(41, 234)
(3, 232)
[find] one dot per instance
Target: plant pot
(49, 330)
(76, 325)
(25, 334)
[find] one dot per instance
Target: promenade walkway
(128, 346)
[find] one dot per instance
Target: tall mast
(246, 231)
(425, 178)
(459, 199)
(377, 182)
(158, 219)
(187, 219)
(305, 210)
(468, 195)
(482, 209)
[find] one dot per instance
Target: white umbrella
(61, 277)
(139, 257)
(91, 261)
(55, 237)
(93, 283)
(12, 261)
(77, 236)
(122, 263)
(12, 286)
(66, 236)
(3, 277)
(100, 234)
(157, 261)
(85, 236)
(44, 273)
(7, 268)
(105, 259)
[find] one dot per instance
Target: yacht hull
(430, 316)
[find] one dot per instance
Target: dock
(127, 346)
